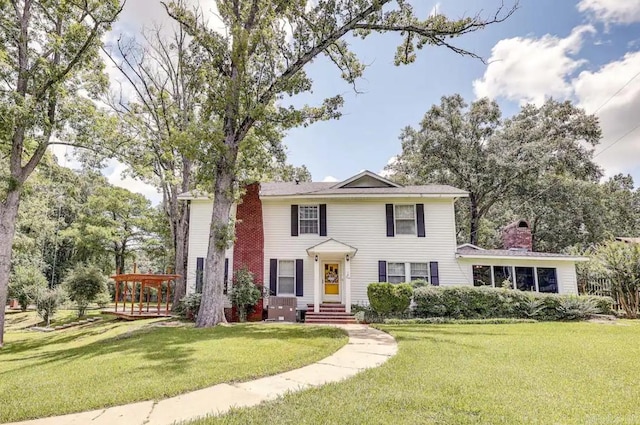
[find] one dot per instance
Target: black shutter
(390, 231)
(420, 220)
(273, 276)
(226, 276)
(199, 274)
(294, 220)
(299, 278)
(323, 219)
(382, 271)
(433, 271)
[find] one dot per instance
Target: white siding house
(200, 211)
(326, 242)
(360, 223)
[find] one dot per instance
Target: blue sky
(366, 137)
(583, 50)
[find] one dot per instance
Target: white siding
(361, 223)
(565, 270)
(199, 224)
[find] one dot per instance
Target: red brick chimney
(517, 235)
(248, 250)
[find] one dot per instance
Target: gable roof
(364, 185)
(320, 189)
(365, 176)
(332, 246)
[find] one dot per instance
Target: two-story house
(326, 242)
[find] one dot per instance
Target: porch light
(316, 258)
(347, 257)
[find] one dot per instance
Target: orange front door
(331, 279)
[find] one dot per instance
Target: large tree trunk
(474, 221)
(120, 254)
(8, 216)
(212, 306)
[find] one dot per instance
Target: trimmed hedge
(448, 320)
(466, 302)
(387, 298)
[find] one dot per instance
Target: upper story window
(308, 219)
(405, 217)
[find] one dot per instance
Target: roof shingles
(322, 188)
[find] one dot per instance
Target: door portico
(332, 273)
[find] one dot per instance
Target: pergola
(147, 281)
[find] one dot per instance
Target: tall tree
(260, 58)
(471, 147)
(115, 221)
(158, 111)
(49, 55)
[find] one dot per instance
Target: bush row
(386, 298)
(448, 320)
(464, 302)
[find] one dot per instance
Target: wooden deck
(136, 315)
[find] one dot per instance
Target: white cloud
(617, 114)
(386, 173)
(134, 185)
(532, 69)
(612, 11)
(329, 179)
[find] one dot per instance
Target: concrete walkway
(367, 348)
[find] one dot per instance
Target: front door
(331, 281)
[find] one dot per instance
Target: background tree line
(538, 164)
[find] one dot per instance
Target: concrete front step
(329, 317)
(337, 321)
(338, 308)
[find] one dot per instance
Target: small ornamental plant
(244, 293)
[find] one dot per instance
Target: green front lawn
(541, 373)
(110, 362)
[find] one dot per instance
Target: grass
(540, 373)
(110, 362)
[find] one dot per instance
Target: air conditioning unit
(282, 309)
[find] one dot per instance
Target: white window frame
(293, 292)
(404, 268)
(395, 220)
(300, 208)
(426, 278)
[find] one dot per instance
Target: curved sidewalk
(367, 348)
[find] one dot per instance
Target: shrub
(189, 306)
(465, 302)
(419, 283)
(103, 299)
(47, 301)
(446, 320)
(622, 264)
(576, 308)
(386, 298)
(22, 279)
(83, 284)
(244, 294)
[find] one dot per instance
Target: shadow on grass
(168, 346)
(417, 332)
